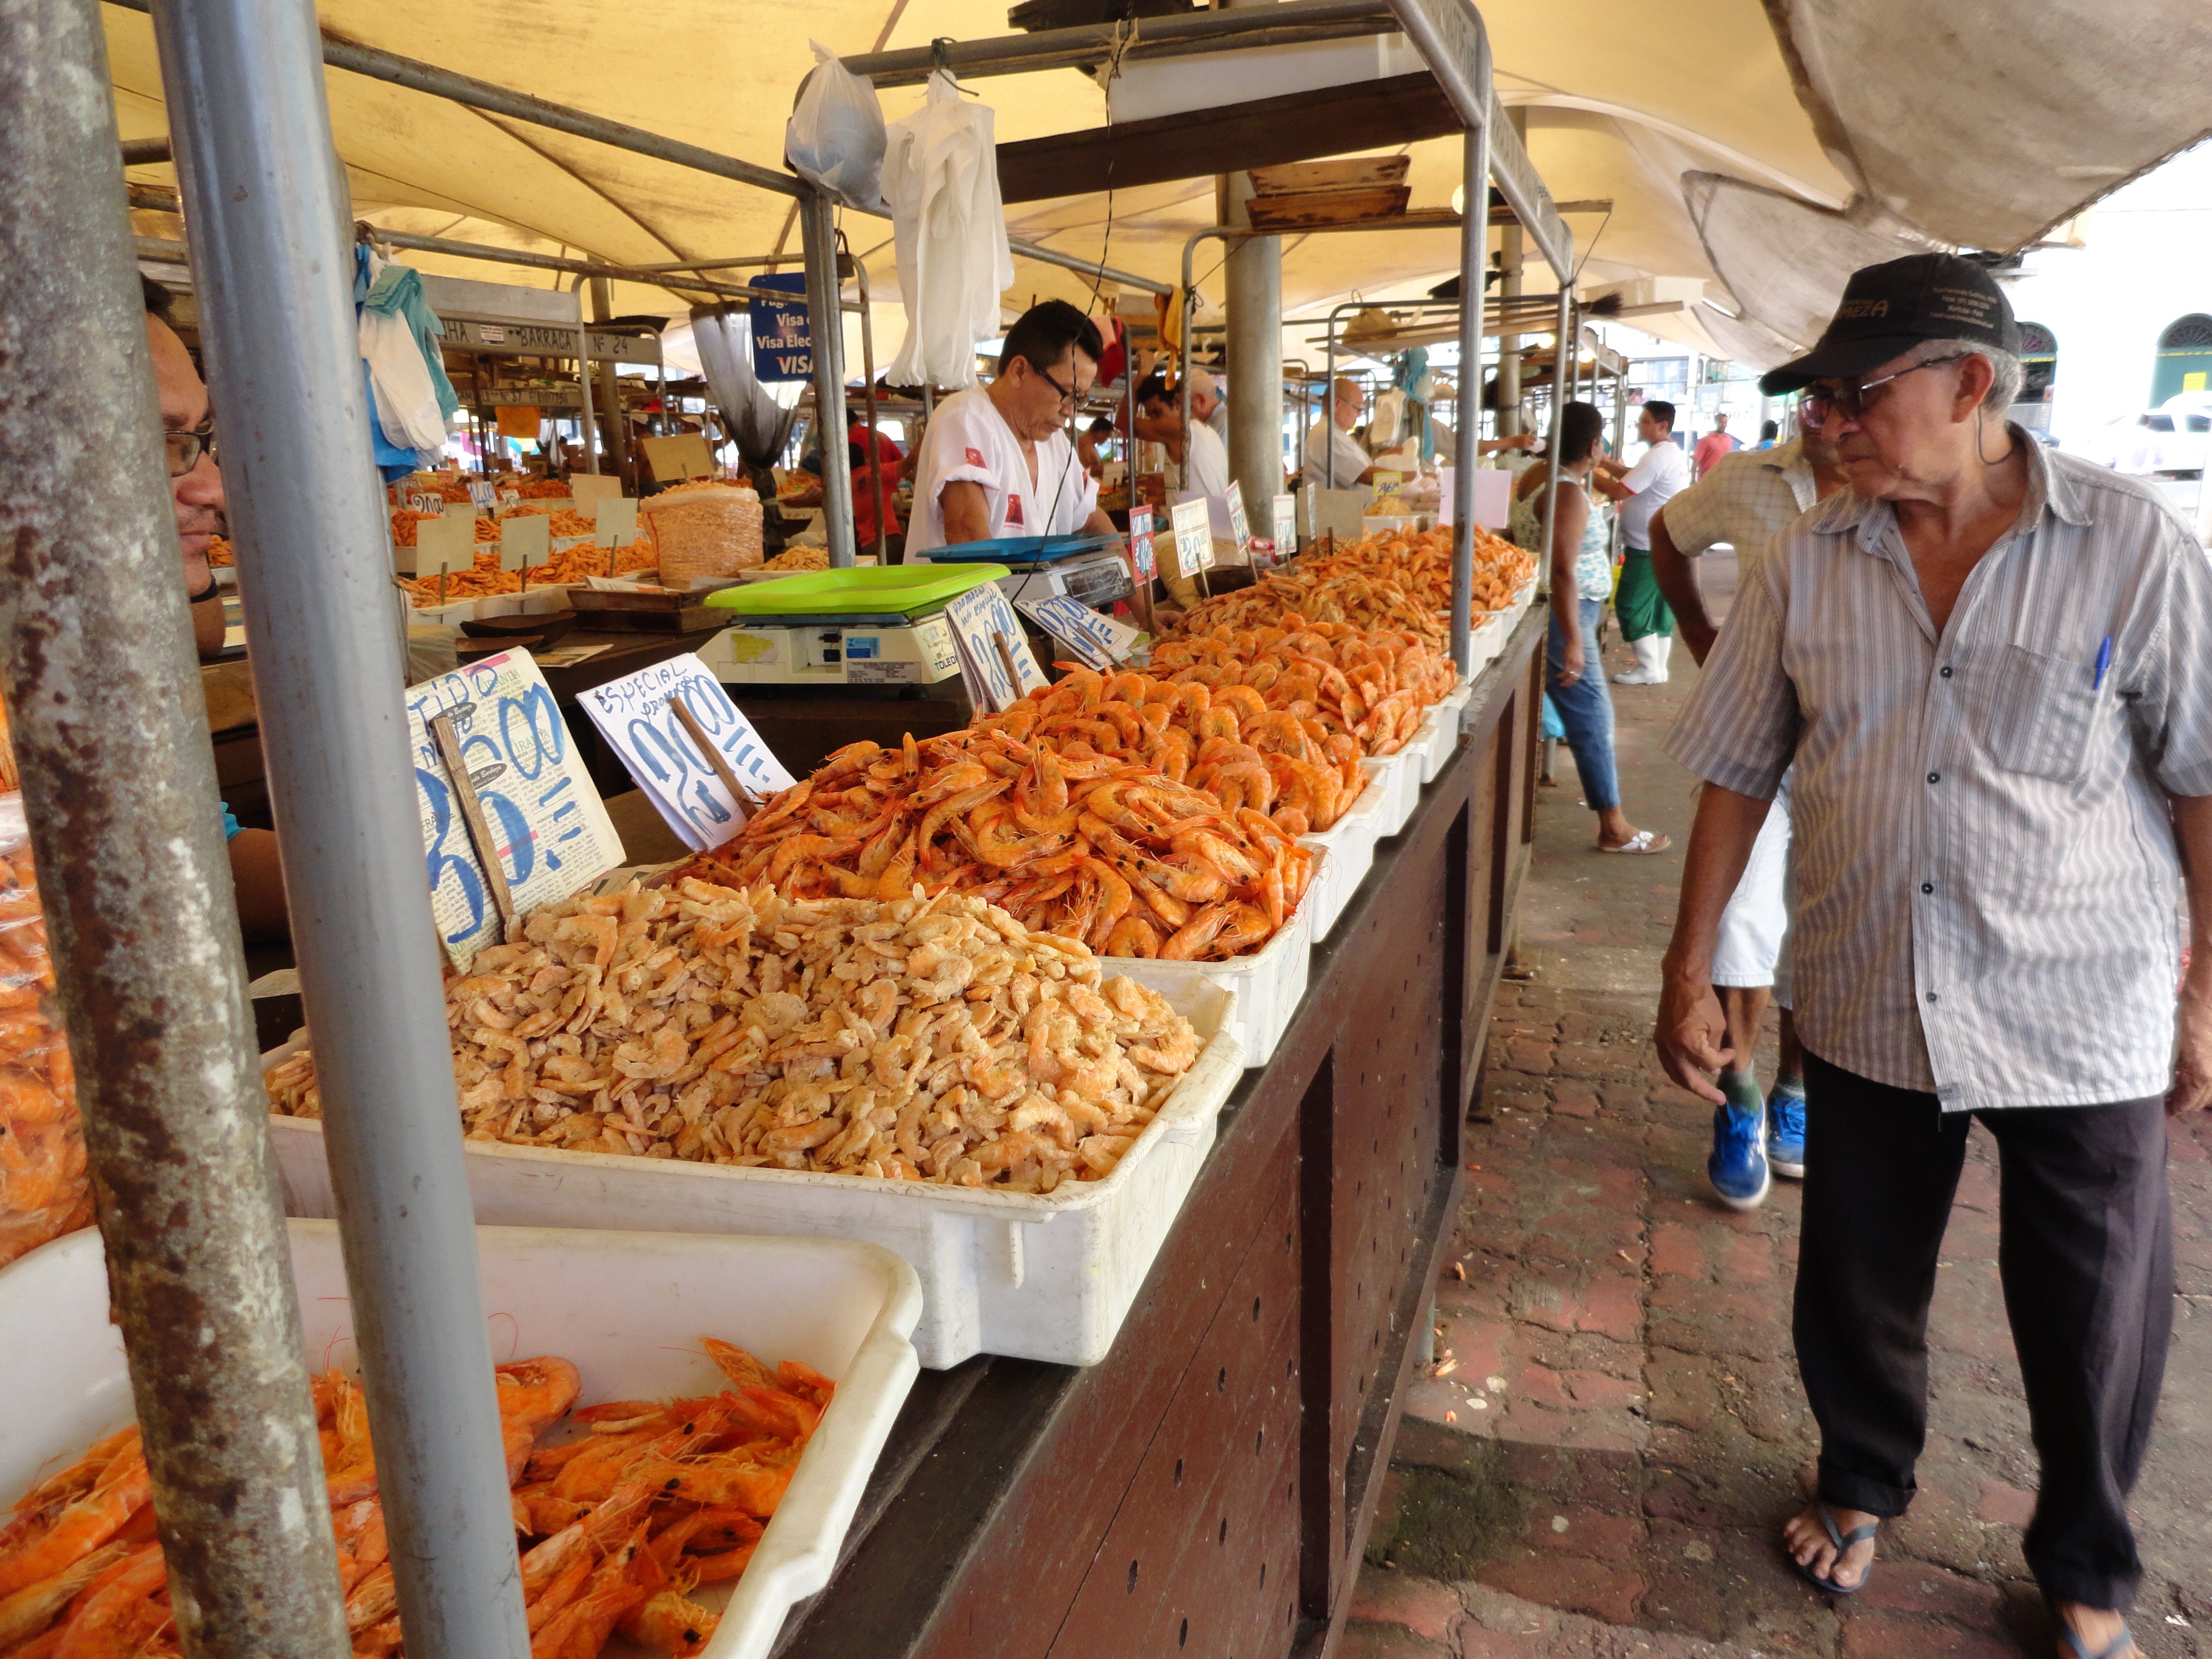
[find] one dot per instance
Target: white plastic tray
(1349, 845)
(1269, 984)
(1047, 1278)
(1399, 777)
(627, 1308)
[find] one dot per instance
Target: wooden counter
(1207, 1489)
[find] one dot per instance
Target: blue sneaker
(1737, 1167)
(1785, 1134)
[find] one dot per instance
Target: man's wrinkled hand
(1691, 1035)
(2192, 1062)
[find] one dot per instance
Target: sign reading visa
(783, 340)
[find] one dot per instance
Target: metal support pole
(262, 192)
(584, 388)
(1254, 273)
(1473, 256)
(120, 789)
(825, 320)
(609, 389)
(882, 492)
(1558, 424)
(1513, 256)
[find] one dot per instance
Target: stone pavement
(1600, 1468)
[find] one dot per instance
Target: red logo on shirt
(975, 458)
(1014, 510)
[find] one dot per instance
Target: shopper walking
(1991, 666)
(1713, 446)
(1746, 500)
(1581, 580)
(1661, 473)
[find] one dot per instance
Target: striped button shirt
(1984, 867)
(1744, 500)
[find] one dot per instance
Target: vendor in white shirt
(996, 461)
(1334, 459)
(1202, 457)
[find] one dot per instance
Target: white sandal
(1644, 841)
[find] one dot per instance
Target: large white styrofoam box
(627, 1308)
(1349, 844)
(1045, 1276)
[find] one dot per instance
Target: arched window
(2185, 358)
(2038, 363)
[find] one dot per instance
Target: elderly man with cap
(1991, 666)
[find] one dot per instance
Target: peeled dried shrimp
(923, 1039)
(1083, 844)
(1396, 582)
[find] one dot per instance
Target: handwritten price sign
(637, 716)
(1140, 543)
(1096, 641)
(553, 836)
(1194, 538)
(1284, 511)
(989, 636)
(1240, 527)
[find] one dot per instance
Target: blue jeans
(1586, 710)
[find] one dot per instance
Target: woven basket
(710, 531)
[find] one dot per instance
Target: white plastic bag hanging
(835, 138)
(941, 179)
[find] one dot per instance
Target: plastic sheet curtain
(760, 426)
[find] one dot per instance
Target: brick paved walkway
(1603, 1468)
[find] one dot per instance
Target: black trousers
(2085, 1253)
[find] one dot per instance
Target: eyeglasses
(186, 449)
(1067, 393)
(1815, 407)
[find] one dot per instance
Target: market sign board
(1194, 538)
(552, 835)
(995, 663)
(1283, 510)
(1140, 543)
(783, 339)
(638, 716)
(1093, 638)
(1240, 527)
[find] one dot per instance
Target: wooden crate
(1297, 178)
(1343, 205)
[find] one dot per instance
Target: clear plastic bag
(941, 181)
(835, 138)
(43, 1189)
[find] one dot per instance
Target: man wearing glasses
(996, 461)
(196, 492)
(1992, 666)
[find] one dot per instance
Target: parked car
(2165, 439)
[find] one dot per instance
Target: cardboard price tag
(527, 540)
(481, 494)
(422, 502)
(615, 516)
(441, 545)
(1140, 543)
(1095, 640)
(643, 717)
(994, 654)
(1194, 538)
(552, 834)
(1240, 527)
(1283, 511)
(510, 498)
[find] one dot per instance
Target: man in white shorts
(1744, 499)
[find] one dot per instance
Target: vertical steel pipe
(825, 320)
(1252, 274)
(1559, 383)
(119, 788)
(1474, 261)
(262, 193)
(583, 385)
(882, 491)
(619, 451)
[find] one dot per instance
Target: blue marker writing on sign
(2104, 661)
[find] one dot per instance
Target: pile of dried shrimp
(798, 558)
(43, 1189)
(1396, 581)
(1094, 846)
(931, 1039)
(656, 1499)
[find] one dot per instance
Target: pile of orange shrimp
(653, 1500)
(43, 1189)
(1360, 689)
(566, 566)
(1398, 582)
(1070, 840)
(405, 518)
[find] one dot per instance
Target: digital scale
(858, 627)
(1085, 567)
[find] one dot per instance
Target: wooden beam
(1299, 127)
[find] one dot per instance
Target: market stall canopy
(1758, 151)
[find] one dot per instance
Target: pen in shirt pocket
(2104, 661)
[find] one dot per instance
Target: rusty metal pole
(264, 207)
(119, 787)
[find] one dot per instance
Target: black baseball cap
(1889, 308)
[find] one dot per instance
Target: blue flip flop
(1843, 1541)
(2080, 1650)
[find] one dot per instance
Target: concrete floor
(1602, 1468)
